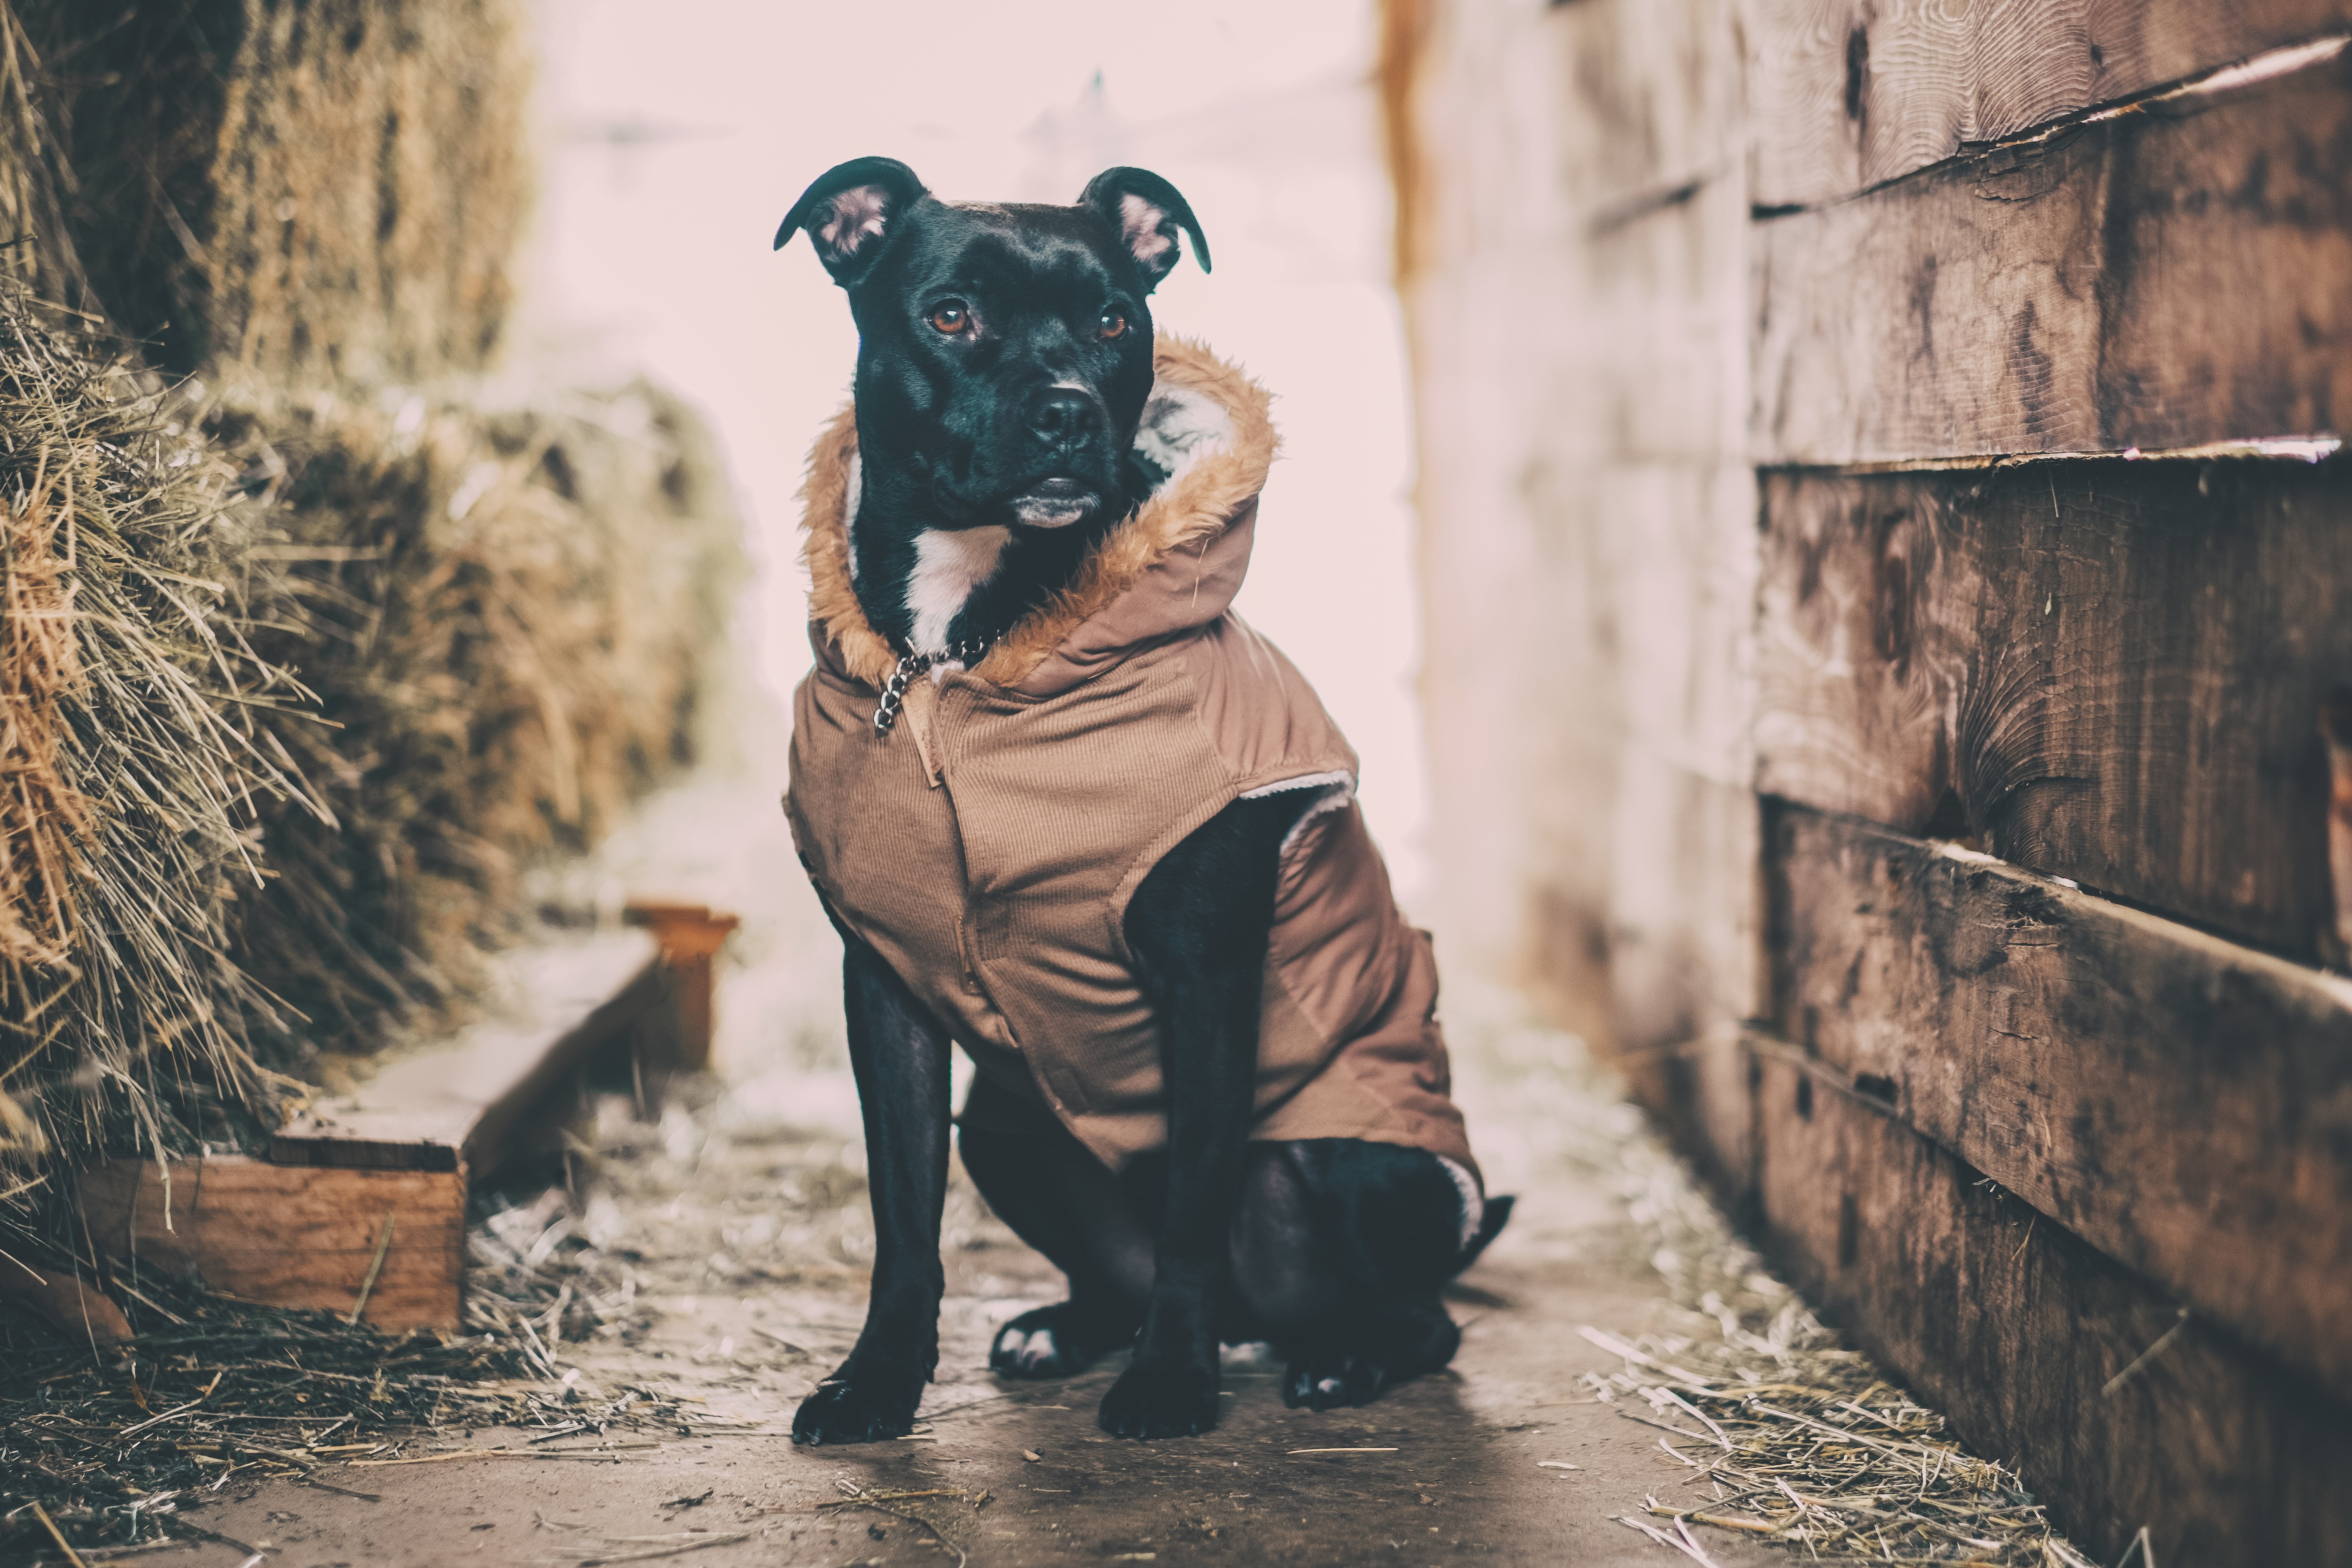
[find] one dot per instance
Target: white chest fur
(949, 565)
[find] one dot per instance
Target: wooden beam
(1703, 1092)
(2023, 1335)
(2181, 1103)
(2112, 673)
(459, 1107)
(1574, 204)
(1843, 95)
(73, 1307)
(291, 1235)
(305, 1227)
(2336, 725)
(2158, 280)
(1646, 358)
(1685, 906)
(1647, 100)
(690, 937)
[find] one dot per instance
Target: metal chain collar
(913, 666)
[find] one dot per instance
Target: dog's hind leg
(1063, 1202)
(1343, 1249)
(900, 1055)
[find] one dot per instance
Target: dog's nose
(1063, 416)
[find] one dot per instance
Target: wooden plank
(2336, 724)
(1646, 98)
(1646, 359)
(302, 1229)
(1521, 750)
(2109, 671)
(1676, 553)
(690, 936)
(1685, 905)
(289, 1235)
(1846, 94)
(1573, 222)
(458, 1107)
(2015, 1330)
(2158, 280)
(1703, 1093)
(73, 1307)
(1470, 187)
(2181, 1103)
(1637, 357)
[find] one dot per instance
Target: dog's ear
(1145, 211)
(851, 211)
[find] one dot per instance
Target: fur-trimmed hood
(1172, 567)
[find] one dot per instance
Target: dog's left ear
(1145, 211)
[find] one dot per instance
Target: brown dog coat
(988, 845)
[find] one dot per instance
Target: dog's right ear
(851, 211)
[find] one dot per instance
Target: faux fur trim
(833, 608)
(1336, 793)
(1218, 466)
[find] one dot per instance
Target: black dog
(1005, 360)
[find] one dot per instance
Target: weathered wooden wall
(1572, 264)
(1885, 573)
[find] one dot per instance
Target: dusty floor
(1475, 1463)
(728, 1247)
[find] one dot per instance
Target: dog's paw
(1332, 1379)
(1360, 1362)
(861, 1404)
(1059, 1341)
(1155, 1401)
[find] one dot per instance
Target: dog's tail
(1491, 1222)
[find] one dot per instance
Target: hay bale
(296, 688)
(35, 248)
(134, 747)
(511, 619)
(302, 193)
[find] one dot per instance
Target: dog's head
(1004, 350)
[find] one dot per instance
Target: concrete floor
(746, 1223)
(1459, 1465)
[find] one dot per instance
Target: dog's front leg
(900, 1055)
(1197, 927)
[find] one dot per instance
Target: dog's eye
(1113, 325)
(952, 318)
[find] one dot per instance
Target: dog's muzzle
(1054, 503)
